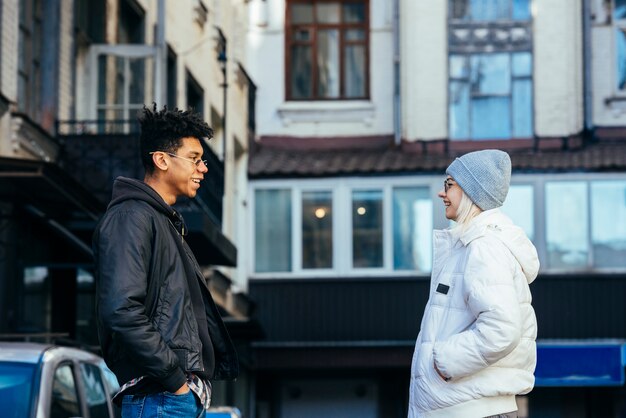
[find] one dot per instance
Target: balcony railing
(95, 152)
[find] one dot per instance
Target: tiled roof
(269, 161)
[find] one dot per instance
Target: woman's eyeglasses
(447, 183)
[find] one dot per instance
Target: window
(29, 59)
(85, 307)
(488, 10)
(519, 206)
(491, 96)
(130, 29)
(490, 70)
(195, 94)
(35, 306)
(123, 82)
(317, 229)
(412, 226)
(383, 226)
(341, 227)
(124, 76)
(367, 228)
(172, 79)
(567, 215)
(272, 230)
(327, 49)
(95, 393)
(64, 401)
(89, 18)
(16, 388)
(608, 223)
(619, 19)
(586, 224)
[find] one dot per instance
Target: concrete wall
(558, 67)
(424, 77)
(9, 48)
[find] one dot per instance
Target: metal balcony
(95, 152)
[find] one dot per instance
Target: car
(49, 381)
(223, 412)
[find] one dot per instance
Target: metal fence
(97, 152)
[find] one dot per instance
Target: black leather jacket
(146, 321)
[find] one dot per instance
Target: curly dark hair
(162, 130)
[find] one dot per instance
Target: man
(159, 328)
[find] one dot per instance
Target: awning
(208, 243)
(50, 196)
(48, 187)
(580, 363)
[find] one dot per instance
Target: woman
(476, 347)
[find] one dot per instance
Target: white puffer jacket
(478, 326)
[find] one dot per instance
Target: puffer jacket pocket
(424, 363)
(430, 388)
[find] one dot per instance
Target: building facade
(73, 78)
(361, 106)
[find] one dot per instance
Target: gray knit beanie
(484, 176)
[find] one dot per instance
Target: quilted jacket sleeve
(491, 297)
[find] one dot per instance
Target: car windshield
(16, 381)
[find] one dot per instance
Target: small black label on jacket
(443, 288)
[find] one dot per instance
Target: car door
(93, 389)
(64, 398)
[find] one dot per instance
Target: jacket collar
(477, 226)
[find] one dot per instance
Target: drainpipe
(397, 106)
(160, 66)
(587, 75)
(222, 59)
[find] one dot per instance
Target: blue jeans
(162, 405)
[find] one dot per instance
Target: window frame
(82, 383)
(296, 227)
(616, 24)
(78, 386)
(512, 78)
(589, 266)
(342, 224)
(193, 87)
(125, 52)
(471, 48)
(522, 182)
(341, 190)
(313, 28)
(29, 68)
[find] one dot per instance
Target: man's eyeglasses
(447, 183)
(194, 162)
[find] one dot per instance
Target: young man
(159, 328)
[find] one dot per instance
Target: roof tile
(272, 161)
